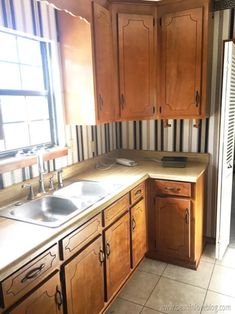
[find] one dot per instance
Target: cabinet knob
(58, 297)
(122, 100)
(101, 102)
(197, 98)
(101, 256)
(108, 251)
(186, 217)
(133, 222)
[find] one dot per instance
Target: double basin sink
(64, 204)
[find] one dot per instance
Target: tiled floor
(158, 287)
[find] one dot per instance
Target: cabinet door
(136, 66)
(138, 231)
(173, 226)
(47, 299)
(104, 63)
(117, 239)
(84, 279)
(181, 63)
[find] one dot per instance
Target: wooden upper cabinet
(181, 36)
(77, 67)
(136, 66)
(87, 67)
(104, 62)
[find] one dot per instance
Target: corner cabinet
(87, 63)
(136, 66)
(184, 52)
(176, 212)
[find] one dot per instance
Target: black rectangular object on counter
(174, 161)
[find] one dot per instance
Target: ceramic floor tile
(147, 310)
(170, 296)
(228, 259)
(139, 288)
(222, 280)
(120, 306)
(151, 266)
(218, 303)
(199, 277)
(209, 254)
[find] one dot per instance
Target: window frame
(47, 67)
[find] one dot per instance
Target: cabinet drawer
(81, 236)
(27, 277)
(173, 188)
(114, 211)
(137, 193)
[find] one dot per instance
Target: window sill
(13, 163)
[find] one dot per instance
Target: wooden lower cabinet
(138, 232)
(173, 226)
(84, 280)
(47, 299)
(118, 264)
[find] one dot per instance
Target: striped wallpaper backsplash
(84, 142)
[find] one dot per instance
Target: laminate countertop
(20, 242)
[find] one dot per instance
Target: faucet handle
(51, 182)
(59, 178)
(31, 192)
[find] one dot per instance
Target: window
(27, 112)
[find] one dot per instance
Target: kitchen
(84, 146)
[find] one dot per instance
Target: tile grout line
(207, 289)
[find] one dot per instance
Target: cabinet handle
(170, 188)
(186, 218)
(58, 297)
(101, 256)
(133, 222)
(138, 192)
(197, 98)
(108, 251)
(122, 101)
(101, 102)
(33, 273)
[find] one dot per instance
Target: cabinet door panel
(84, 279)
(117, 239)
(181, 65)
(136, 65)
(138, 226)
(46, 299)
(173, 226)
(104, 63)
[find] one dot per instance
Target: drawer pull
(108, 251)
(170, 188)
(138, 192)
(186, 218)
(58, 297)
(101, 256)
(33, 273)
(133, 224)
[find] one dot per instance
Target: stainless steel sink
(88, 191)
(54, 210)
(50, 211)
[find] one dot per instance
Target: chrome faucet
(41, 170)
